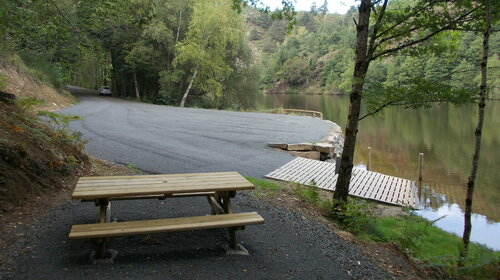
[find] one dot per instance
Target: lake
(445, 134)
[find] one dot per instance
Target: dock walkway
(365, 184)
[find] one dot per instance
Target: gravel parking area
(288, 246)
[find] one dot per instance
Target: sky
(334, 6)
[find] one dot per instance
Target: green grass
(434, 248)
(134, 168)
(264, 188)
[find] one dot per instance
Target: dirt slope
(23, 84)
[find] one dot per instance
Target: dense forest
(156, 51)
(317, 57)
(207, 54)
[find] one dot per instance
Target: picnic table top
(123, 186)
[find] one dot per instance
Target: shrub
(296, 71)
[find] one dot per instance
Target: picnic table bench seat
(103, 230)
(218, 187)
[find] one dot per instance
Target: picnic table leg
(226, 198)
(104, 217)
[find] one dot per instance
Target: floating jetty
(365, 184)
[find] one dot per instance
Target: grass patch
(435, 249)
(134, 168)
(264, 188)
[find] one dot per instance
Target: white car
(105, 90)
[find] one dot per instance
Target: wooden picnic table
(218, 187)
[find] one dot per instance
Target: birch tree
(214, 35)
(486, 25)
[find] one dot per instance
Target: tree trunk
(478, 133)
(360, 69)
(179, 26)
(189, 87)
(137, 95)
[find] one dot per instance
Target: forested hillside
(317, 57)
(153, 50)
(207, 54)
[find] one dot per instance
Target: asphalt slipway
(165, 139)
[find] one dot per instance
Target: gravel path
(287, 246)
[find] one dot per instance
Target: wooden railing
(314, 114)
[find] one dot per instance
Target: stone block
(301, 147)
(326, 148)
(282, 146)
(311, 154)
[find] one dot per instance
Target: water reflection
(450, 217)
(444, 133)
(483, 231)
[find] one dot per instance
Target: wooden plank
(186, 175)
(157, 184)
(83, 181)
(356, 185)
(167, 186)
(378, 185)
(399, 193)
(390, 195)
(159, 190)
(164, 225)
(159, 196)
(325, 175)
(309, 174)
(386, 196)
(407, 185)
(304, 173)
(362, 182)
(369, 181)
(216, 207)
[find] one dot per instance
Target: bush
(254, 35)
(355, 216)
(296, 71)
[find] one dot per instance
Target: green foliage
(449, 58)
(417, 93)
(310, 194)
(27, 104)
(41, 68)
(296, 71)
(60, 124)
(354, 216)
(215, 33)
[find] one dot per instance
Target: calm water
(445, 134)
